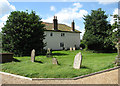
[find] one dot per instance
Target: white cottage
(59, 36)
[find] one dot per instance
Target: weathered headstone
(70, 48)
(77, 61)
(49, 52)
(117, 61)
(74, 48)
(65, 49)
(33, 55)
(54, 61)
(80, 48)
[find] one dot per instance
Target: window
(75, 46)
(62, 44)
(51, 34)
(62, 34)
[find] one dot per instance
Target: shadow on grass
(39, 61)
(59, 54)
(15, 60)
(84, 67)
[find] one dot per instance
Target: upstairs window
(51, 34)
(62, 34)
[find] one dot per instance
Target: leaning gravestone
(54, 61)
(77, 61)
(74, 48)
(33, 55)
(49, 52)
(118, 57)
(70, 48)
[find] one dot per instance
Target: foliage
(23, 32)
(43, 67)
(82, 44)
(0, 42)
(116, 27)
(97, 31)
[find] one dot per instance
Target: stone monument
(117, 61)
(77, 61)
(65, 49)
(33, 55)
(74, 48)
(80, 48)
(49, 52)
(70, 48)
(54, 61)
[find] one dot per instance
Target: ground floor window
(61, 44)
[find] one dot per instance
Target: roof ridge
(61, 27)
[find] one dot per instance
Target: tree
(97, 31)
(116, 27)
(23, 32)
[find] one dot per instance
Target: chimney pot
(54, 17)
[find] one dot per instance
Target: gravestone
(117, 61)
(49, 52)
(74, 48)
(65, 49)
(54, 61)
(70, 48)
(80, 48)
(33, 55)
(77, 61)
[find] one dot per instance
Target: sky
(66, 11)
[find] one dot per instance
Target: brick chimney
(73, 26)
(55, 23)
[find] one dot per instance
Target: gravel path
(110, 77)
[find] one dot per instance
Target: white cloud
(106, 1)
(1, 25)
(5, 17)
(5, 7)
(52, 8)
(66, 15)
(61, 0)
(77, 5)
(116, 11)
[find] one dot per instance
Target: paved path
(110, 77)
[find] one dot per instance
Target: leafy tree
(97, 31)
(116, 27)
(0, 42)
(82, 44)
(23, 32)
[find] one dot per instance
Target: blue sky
(65, 11)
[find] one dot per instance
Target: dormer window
(51, 34)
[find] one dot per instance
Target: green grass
(43, 67)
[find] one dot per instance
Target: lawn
(43, 67)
